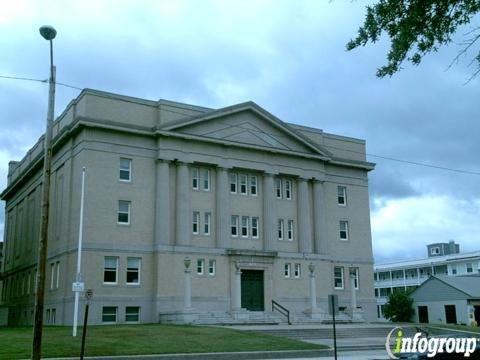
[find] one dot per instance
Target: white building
(443, 259)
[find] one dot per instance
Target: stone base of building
(186, 316)
(316, 314)
(240, 314)
(357, 315)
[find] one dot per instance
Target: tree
(399, 307)
(416, 28)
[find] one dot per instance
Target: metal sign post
(88, 296)
(333, 309)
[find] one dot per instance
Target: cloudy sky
(287, 56)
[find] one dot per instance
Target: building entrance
(252, 290)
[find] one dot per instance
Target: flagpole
(78, 278)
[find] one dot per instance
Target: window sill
(133, 285)
(123, 224)
(110, 284)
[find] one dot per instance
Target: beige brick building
(263, 210)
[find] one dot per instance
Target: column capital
(268, 174)
(160, 161)
(222, 168)
(318, 181)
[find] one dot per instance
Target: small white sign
(78, 286)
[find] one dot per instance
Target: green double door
(252, 290)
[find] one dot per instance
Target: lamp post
(313, 291)
(48, 33)
(187, 300)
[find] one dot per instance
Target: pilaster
(304, 218)
(182, 205)
(269, 213)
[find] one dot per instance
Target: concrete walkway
(273, 355)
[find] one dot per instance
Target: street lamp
(48, 33)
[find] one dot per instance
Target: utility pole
(48, 33)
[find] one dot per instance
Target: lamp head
(186, 262)
(48, 32)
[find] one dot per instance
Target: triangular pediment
(247, 124)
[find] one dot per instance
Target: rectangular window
(338, 277)
(110, 270)
(211, 267)
(53, 319)
(132, 314)
(234, 225)
(47, 318)
(286, 270)
(244, 226)
(253, 185)
(52, 276)
(57, 273)
(278, 188)
(195, 178)
(288, 189)
(243, 184)
(342, 195)
(280, 229)
(195, 222)
(125, 169)
(123, 216)
(200, 266)
(133, 271)
(255, 227)
(206, 223)
(469, 268)
(233, 183)
(297, 271)
(454, 269)
(109, 314)
(290, 230)
(343, 230)
(206, 180)
(435, 251)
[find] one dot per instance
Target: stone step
(328, 333)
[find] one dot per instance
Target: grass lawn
(15, 343)
(455, 327)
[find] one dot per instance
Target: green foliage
(399, 307)
(415, 28)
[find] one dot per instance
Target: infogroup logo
(430, 346)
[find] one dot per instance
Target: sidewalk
(248, 355)
(272, 355)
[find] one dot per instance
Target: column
(304, 213)
(237, 296)
(353, 298)
(162, 203)
(269, 213)
(321, 245)
(182, 205)
(187, 296)
(313, 290)
(222, 209)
